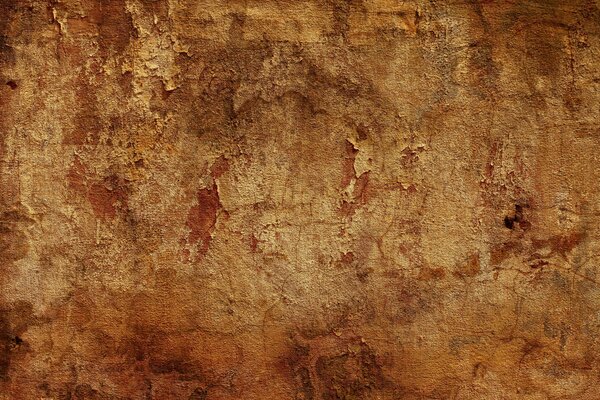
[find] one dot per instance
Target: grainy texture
(299, 199)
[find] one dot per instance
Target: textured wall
(299, 199)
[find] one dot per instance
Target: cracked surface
(299, 199)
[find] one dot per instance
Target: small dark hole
(12, 84)
(509, 222)
(17, 340)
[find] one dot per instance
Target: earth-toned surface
(299, 199)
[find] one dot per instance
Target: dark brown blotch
(517, 218)
(198, 394)
(14, 321)
(352, 375)
(202, 218)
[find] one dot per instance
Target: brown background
(299, 199)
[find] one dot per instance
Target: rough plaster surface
(299, 199)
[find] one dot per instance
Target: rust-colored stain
(203, 217)
(299, 199)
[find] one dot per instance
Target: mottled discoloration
(303, 200)
(203, 217)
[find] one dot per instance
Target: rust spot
(560, 244)
(203, 217)
(347, 258)
(427, 274)
(540, 250)
(470, 268)
(219, 167)
(361, 188)
(254, 243)
(351, 261)
(106, 196)
(503, 251)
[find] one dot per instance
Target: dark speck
(12, 84)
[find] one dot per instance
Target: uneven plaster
(299, 199)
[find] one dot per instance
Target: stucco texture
(299, 199)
